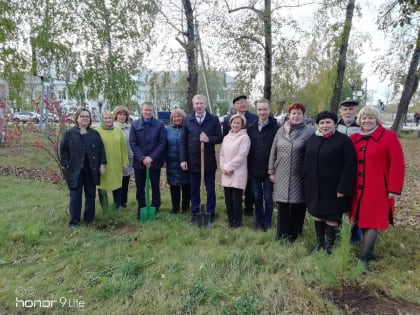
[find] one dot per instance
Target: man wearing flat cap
(347, 123)
(240, 105)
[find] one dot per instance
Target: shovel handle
(202, 172)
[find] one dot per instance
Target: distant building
(167, 89)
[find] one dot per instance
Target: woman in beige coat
(286, 172)
(234, 169)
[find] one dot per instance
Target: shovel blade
(202, 219)
(151, 213)
(198, 219)
(144, 215)
(207, 219)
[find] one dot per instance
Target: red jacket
(380, 170)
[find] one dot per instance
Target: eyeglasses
(84, 116)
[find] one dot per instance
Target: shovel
(202, 218)
(147, 213)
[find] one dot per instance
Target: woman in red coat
(380, 176)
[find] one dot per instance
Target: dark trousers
(85, 182)
(103, 198)
(233, 201)
(176, 192)
(124, 190)
(290, 219)
(249, 198)
(140, 177)
(209, 182)
(263, 194)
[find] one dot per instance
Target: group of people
(349, 165)
(343, 166)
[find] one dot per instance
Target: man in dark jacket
(347, 122)
(347, 125)
(262, 133)
(240, 105)
(200, 126)
(148, 143)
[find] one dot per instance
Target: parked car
(53, 118)
(309, 121)
(132, 118)
(26, 117)
(281, 119)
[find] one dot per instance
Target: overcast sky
(304, 15)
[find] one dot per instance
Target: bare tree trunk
(341, 64)
(268, 60)
(410, 86)
(190, 49)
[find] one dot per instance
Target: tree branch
(181, 42)
(168, 21)
(296, 5)
(254, 39)
(252, 8)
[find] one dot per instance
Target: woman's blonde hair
(370, 111)
(106, 112)
(121, 109)
(242, 117)
(177, 111)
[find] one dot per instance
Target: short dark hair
(326, 114)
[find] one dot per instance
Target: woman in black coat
(329, 177)
(83, 160)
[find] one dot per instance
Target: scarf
(105, 127)
(326, 136)
(288, 126)
(362, 133)
(122, 125)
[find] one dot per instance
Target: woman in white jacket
(233, 165)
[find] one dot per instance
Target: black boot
(369, 239)
(330, 233)
(320, 236)
(176, 198)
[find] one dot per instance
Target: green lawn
(169, 266)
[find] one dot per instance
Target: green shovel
(147, 213)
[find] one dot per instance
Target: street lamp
(100, 103)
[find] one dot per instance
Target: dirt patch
(126, 229)
(354, 299)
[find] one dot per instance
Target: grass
(169, 266)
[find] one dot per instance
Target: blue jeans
(209, 182)
(263, 193)
(85, 182)
(140, 177)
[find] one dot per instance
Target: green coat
(116, 156)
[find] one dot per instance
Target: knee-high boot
(320, 236)
(330, 233)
